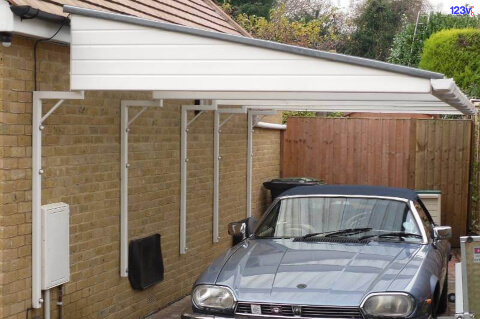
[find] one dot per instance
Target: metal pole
(46, 310)
(36, 200)
(124, 190)
(249, 162)
(183, 181)
(216, 172)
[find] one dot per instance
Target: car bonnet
(339, 274)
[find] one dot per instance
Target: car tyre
(443, 300)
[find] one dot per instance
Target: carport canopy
(112, 52)
(118, 52)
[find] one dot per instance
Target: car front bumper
(188, 313)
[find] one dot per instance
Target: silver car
(331, 252)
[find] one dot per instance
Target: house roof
(203, 14)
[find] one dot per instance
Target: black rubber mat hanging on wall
(145, 262)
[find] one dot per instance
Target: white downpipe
(46, 309)
(271, 126)
(124, 165)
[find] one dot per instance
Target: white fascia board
(240, 96)
(447, 91)
(34, 28)
(398, 103)
(387, 109)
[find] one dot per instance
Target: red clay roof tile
(203, 14)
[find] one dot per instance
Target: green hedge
(406, 51)
(455, 53)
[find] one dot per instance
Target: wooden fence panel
(443, 163)
(412, 153)
(348, 151)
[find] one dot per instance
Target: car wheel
(443, 300)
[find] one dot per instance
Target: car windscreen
(301, 216)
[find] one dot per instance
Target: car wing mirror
(238, 229)
(442, 232)
(243, 228)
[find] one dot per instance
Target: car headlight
(216, 297)
(389, 305)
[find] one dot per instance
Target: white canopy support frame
(216, 161)
(38, 125)
(125, 124)
(250, 130)
(183, 165)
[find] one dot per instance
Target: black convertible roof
(352, 190)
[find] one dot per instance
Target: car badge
(301, 286)
(276, 310)
(297, 311)
(256, 309)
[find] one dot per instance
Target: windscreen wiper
(349, 231)
(339, 232)
(400, 234)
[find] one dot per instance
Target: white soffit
(116, 52)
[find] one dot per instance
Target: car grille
(300, 311)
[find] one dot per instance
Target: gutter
(27, 13)
(34, 23)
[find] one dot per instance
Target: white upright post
(36, 199)
(37, 171)
(184, 124)
(183, 181)
(125, 123)
(216, 172)
(124, 190)
(249, 162)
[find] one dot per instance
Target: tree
(320, 33)
(407, 50)
(306, 9)
(456, 54)
(258, 8)
(376, 24)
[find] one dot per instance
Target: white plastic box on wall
(55, 245)
(432, 199)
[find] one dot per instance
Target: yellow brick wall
(81, 149)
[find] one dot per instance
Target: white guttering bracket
(216, 161)
(250, 126)
(125, 124)
(447, 91)
(183, 165)
(38, 120)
